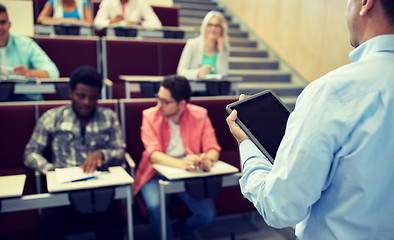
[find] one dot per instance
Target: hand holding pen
(205, 70)
(191, 160)
(197, 161)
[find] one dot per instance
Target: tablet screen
(263, 117)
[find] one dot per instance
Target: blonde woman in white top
(209, 52)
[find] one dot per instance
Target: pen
(83, 179)
(190, 152)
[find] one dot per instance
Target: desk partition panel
(68, 53)
(16, 126)
(129, 57)
(169, 16)
(171, 52)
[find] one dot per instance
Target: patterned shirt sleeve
(114, 153)
(34, 153)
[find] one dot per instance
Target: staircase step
(261, 75)
(196, 22)
(196, 6)
(198, 14)
(241, 42)
(234, 33)
(208, 2)
(247, 52)
(253, 63)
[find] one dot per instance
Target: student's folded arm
(45, 14)
(165, 159)
(150, 19)
(184, 68)
(40, 61)
(88, 15)
(102, 18)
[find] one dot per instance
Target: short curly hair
(86, 75)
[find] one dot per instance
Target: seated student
(22, 56)
(63, 11)
(79, 134)
(177, 134)
(130, 12)
(209, 52)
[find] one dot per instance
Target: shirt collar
(381, 43)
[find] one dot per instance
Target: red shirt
(196, 131)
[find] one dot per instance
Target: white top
(175, 147)
(135, 10)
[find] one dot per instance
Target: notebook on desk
(263, 117)
(218, 168)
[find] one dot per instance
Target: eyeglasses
(164, 101)
(214, 25)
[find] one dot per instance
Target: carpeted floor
(247, 226)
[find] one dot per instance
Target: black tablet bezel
(258, 97)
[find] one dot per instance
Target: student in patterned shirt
(78, 134)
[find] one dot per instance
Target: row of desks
(148, 85)
(60, 194)
(120, 30)
(11, 188)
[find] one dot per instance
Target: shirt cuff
(105, 155)
(47, 167)
(248, 149)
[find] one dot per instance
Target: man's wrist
(210, 159)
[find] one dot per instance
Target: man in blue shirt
(333, 171)
(20, 55)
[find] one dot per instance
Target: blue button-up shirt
(25, 51)
(334, 169)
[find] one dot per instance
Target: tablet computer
(263, 117)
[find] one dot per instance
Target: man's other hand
(235, 130)
(93, 161)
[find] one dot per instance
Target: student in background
(66, 11)
(208, 53)
(129, 12)
(177, 134)
(79, 134)
(332, 176)
(22, 56)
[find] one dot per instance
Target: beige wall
(311, 36)
(20, 13)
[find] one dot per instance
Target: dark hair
(3, 9)
(388, 8)
(178, 86)
(86, 75)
